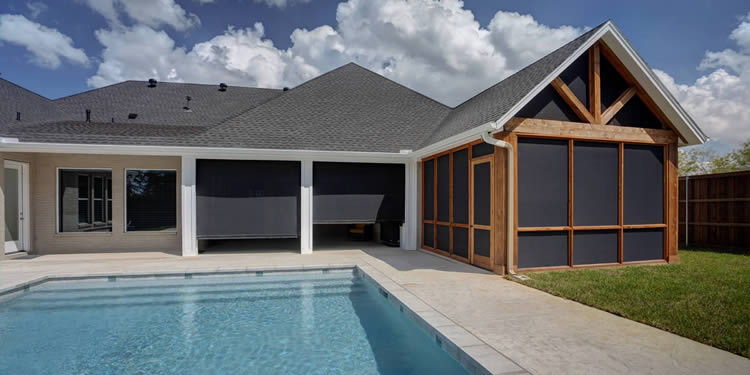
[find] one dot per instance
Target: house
(570, 162)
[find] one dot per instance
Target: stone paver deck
(541, 333)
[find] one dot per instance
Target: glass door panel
(13, 189)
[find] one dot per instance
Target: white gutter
(488, 138)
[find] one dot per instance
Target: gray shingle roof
(347, 109)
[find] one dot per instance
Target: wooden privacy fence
(714, 210)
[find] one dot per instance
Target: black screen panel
(595, 246)
(482, 193)
(548, 105)
(444, 188)
(461, 186)
(482, 242)
(482, 149)
(428, 232)
(643, 244)
(444, 238)
(576, 77)
(635, 113)
(542, 249)
(643, 184)
(461, 242)
(247, 199)
(595, 183)
(357, 193)
(429, 189)
(542, 182)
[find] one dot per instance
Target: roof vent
(151, 82)
(18, 116)
(285, 89)
(113, 120)
(222, 87)
(88, 115)
(186, 108)
(132, 116)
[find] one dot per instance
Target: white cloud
(278, 3)
(46, 45)
(36, 8)
(153, 13)
(720, 100)
(435, 47)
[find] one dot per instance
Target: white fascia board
(208, 152)
(654, 88)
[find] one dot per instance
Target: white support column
(189, 215)
(409, 233)
(306, 208)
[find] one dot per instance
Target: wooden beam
(570, 98)
(620, 68)
(579, 130)
(618, 104)
(595, 84)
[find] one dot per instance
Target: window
(151, 200)
(85, 197)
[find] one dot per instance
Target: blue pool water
(327, 323)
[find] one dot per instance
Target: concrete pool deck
(541, 333)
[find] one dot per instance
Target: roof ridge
(25, 89)
(398, 84)
(88, 91)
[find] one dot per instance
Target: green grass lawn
(705, 298)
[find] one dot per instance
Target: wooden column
(672, 219)
(500, 210)
(595, 84)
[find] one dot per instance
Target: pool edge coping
(470, 351)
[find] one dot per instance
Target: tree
(741, 156)
(695, 160)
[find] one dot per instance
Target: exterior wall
(46, 240)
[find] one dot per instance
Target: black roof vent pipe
(222, 87)
(151, 82)
(18, 116)
(88, 115)
(186, 108)
(132, 116)
(285, 89)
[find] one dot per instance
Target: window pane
(595, 183)
(542, 182)
(542, 249)
(643, 184)
(151, 200)
(98, 188)
(443, 188)
(461, 186)
(595, 246)
(429, 189)
(77, 208)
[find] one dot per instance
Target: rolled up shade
(345, 193)
(247, 199)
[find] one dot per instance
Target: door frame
(24, 229)
(478, 260)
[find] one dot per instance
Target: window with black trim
(85, 200)
(151, 200)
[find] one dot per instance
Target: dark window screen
(548, 105)
(429, 235)
(444, 188)
(444, 237)
(429, 189)
(461, 186)
(643, 180)
(481, 149)
(643, 244)
(482, 242)
(482, 193)
(595, 183)
(348, 193)
(595, 246)
(542, 182)
(151, 200)
(461, 242)
(247, 199)
(542, 249)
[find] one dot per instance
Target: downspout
(488, 138)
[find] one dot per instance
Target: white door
(16, 191)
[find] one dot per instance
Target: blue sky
(672, 36)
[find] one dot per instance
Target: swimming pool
(311, 323)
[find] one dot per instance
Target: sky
(449, 50)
